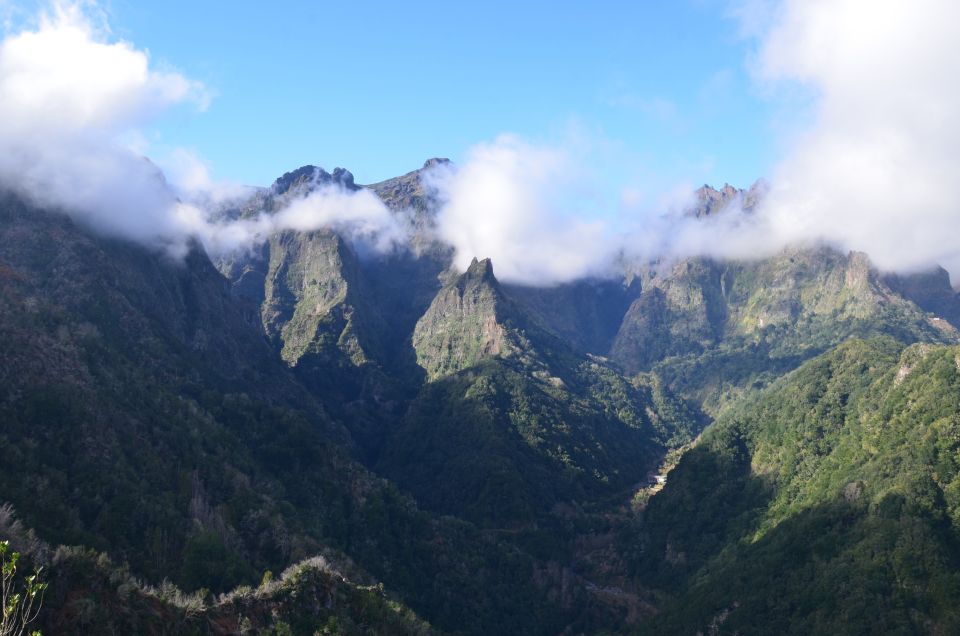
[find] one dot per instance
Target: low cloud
(878, 169)
(358, 215)
(872, 165)
(524, 206)
(69, 101)
(73, 104)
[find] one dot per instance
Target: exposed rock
(464, 324)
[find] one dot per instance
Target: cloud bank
(358, 215)
(879, 168)
(69, 101)
(73, 103)
(525, 207)
(874, 167)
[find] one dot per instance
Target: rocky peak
(344, 177)
(293, 178)
(464, 324)
(480, 271)
(711, 201)
(306, 178)
(930, 290)
(435, 161)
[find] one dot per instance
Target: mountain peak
(435, 161)
(464, 323)
(710, 201)
(308, 177)
(481, 270)
(344, 177)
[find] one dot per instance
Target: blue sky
(378, 87)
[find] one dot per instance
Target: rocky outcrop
(308, 178)
(931, 291)
(315, 302)
(465, 324)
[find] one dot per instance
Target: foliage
(21, 598)
(829, 499)
(92, 595)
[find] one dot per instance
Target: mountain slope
(513, 420)
(468, 321)
(205, 427)
(830, 499)
(144, 416)
(91, 595)
(712, 328)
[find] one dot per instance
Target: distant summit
(710, 201)
(310, 177)
(435, 161)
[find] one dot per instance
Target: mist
(527, 208)
(878, 169)
(74, 105)
(360, 216)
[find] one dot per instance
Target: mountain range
(691, 445)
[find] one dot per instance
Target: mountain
(144, 415)
(133, 386)
(432, 450)
(711, 328)
(828, 499)
(471, 320)
(341, 319)
(513, 421)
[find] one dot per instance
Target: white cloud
(874, 167)
(72, 103)
(878, 169)
(64, 77)
(358, 215)
(69, 100)
(190, 177)
(526, 207)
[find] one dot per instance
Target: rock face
(792, 305)
(931, 291)
(682, 311)
(465, 324)
(319, 298)
(710, 201)
(315, 302)
(587, 314)
(307, 178)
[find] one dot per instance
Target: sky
(379, 87)
(578, 133)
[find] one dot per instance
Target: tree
(20, 608)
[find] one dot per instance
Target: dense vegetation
(142, 415)
(830, 499)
